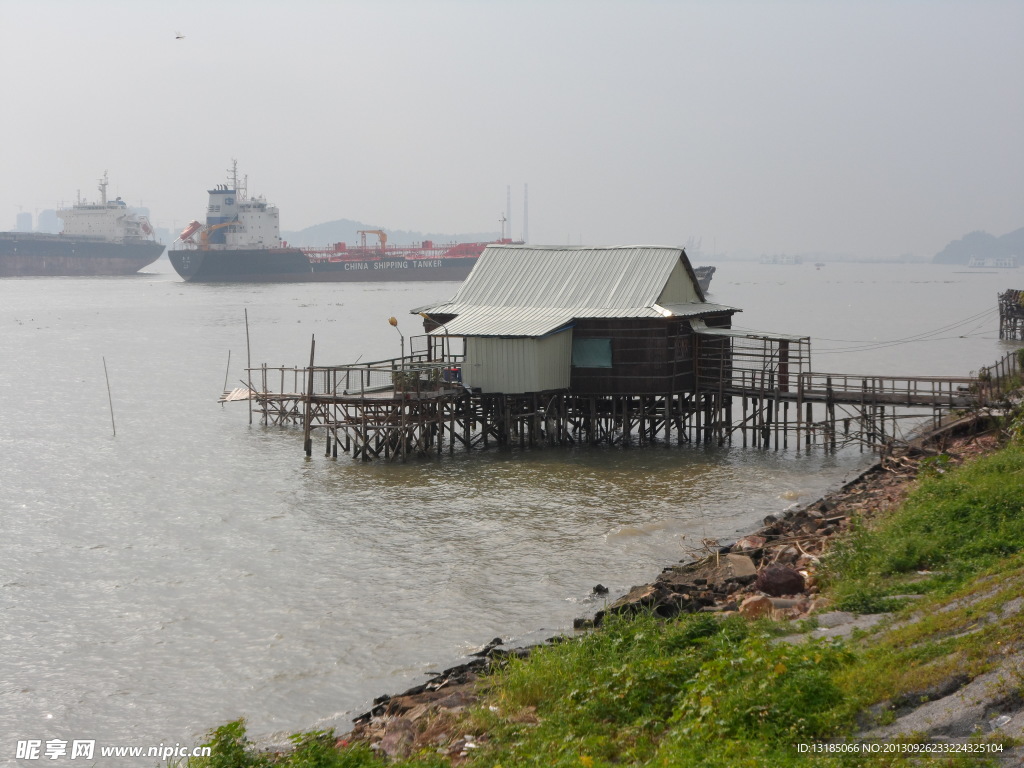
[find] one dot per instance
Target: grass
(954, 524)
(705, 691)
(950, 635)
(315, 749)
(641, 691)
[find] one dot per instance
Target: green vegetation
(952, 635)
(954, 524)
(678, 693)
(315, 749)
(707, 691)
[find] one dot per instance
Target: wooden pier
(632, 354)
(749, 387)
(1011, 314)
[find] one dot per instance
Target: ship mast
(103, 189)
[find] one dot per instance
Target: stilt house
(570, 345)
(609, 321)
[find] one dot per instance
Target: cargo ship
(241, 243)
(100, 239)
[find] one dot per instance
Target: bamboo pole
(110, 398)
(307, 426)
(248, 361)
(227, 372)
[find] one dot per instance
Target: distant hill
(347, 231)
(983, 246)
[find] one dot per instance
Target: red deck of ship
(426, 250)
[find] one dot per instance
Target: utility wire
(886, 345)
(867, 345)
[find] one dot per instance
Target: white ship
(1007, 262)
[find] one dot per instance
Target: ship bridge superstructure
(107, 220)
(235, 221)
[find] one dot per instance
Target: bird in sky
(178, 36)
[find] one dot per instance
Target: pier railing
(415, 374)
(767, 382)
(1003, 376)
(856, 389)
(772, 380)
(388, 378)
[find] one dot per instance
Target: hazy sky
(866, 128)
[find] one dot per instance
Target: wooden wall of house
(649, 355)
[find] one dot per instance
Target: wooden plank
(233, 395)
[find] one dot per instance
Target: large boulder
(778, 580)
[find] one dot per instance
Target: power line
(864, 345)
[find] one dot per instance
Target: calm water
(192, 568)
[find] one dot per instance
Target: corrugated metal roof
(504, 321)
(538, 321)
(700, 327)
(524, 311)
(695, 310)
(517, 290)
(551, 276)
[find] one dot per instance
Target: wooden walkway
(854, 389)
(836, 408)
(412, 406)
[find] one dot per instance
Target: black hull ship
(27, 254)
(241, 243)
(98, 239)
(343, 264)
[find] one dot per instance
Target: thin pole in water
(226, 372)
(307, 418)
(110, 399)
(248, 362)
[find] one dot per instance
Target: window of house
(592, 353)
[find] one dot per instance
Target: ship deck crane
(204, 236)
(378, 232)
